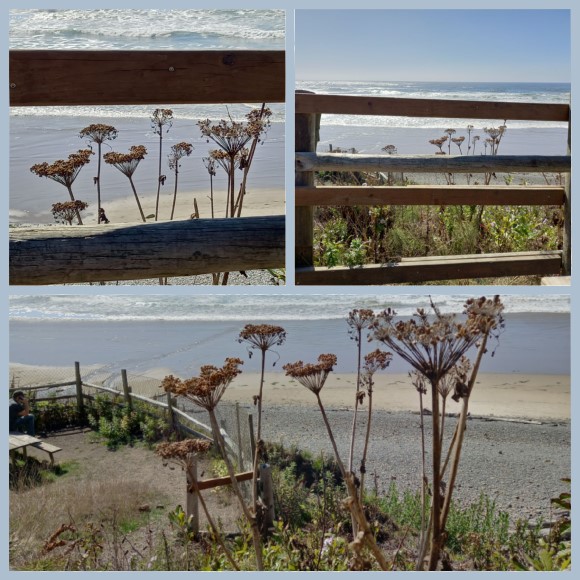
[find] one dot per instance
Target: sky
(433, 45)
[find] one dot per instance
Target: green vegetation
(311, 533)
(121, 425)
(353, 236)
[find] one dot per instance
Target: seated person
(21, 419)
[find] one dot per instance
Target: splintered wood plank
(132, 77)
(59, 254)
(433, 268)
(429, 195)
(439, 108)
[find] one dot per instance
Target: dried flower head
(312, 376)
(377, 360)
(64, 171)
(358, 320)
(434, 344)
(99, 133)
(161, 118)
(207, 389)
(389, 149)
(232, 136)
(262, 336)
(455, 380)
(126, 163)
(180, 449)
(209, 163)
(65, 212)
(178, 151)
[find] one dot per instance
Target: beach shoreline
(517, 396)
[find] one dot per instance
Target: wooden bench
(19, 441)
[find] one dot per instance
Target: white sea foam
(249, 307)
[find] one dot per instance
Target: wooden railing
(310, 107)
(71, 78)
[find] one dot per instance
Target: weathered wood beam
(69, 254)
(306, 129)
(429, 195)
(439, 108)
(136, 77)
(219, 481)
(306, 161)
(413, 270)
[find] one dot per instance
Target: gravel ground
(249, 278)
(518, 464)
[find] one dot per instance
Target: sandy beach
(536, 397)
(515, 395)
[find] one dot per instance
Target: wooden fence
(310, 107)
(74, 78)
(186, 424)
(178, 420)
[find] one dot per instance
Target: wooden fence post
(267, 495)
(192, 503)
(126, 389)
(252, 438)
(171, 416)
(306, 136)
(239, 433)
(567, 233)
(79, 389)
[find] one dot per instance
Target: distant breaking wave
(249, 307)
(147, 29)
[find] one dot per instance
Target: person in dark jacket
(21, 419)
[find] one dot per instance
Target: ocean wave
(249, 308)
(146, 29)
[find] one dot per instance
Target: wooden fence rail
(310, 107)
(65, 254)
(140, 77)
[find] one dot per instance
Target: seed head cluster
(232, 136)
(180, 449)
(358, 320)
(99, 133)
(64, 171)
(178, 151)
(312, 376)
(126, 163)
(434, 344)
(207, 389)
(262, 336)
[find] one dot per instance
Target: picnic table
(21, 441)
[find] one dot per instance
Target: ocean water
(181, 333)
(411, 135)
(39, 134)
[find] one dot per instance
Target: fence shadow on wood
(310, 107)
(79, 77)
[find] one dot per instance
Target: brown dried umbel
(179, 450)
(207, 389)
(232, 137)
(65, 171)
(66, 211)
(262, 336)
(159, 119)
(98, 133)
(178, 151)
(127, 163)
(433, 346)
(312, 376)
